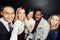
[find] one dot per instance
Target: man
(41, 28)
(6, 22)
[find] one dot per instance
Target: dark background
(48, 6)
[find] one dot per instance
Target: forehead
(8, 9)
(55, 17)
(31, 12)
(38, 12)
(21, 10)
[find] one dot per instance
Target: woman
(18, 27)
(29, 21)
(54, 24)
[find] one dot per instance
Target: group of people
(21, 25)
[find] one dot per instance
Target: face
(54, 20)
(21, 14)
(30, 15)
(8, 14)
(38, 15)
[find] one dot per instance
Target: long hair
(17, 18)
(51, 18)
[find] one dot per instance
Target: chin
(10, 21)
(37, 19)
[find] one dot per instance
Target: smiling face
(30, 15)
(21, 14)
(38, 15)
(54, 20)
(8, 14)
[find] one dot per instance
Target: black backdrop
(48, 6)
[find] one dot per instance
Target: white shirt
(18, 28)
(5, 23)
(29, 25)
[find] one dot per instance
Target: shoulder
(1, 19)
(44, 21)
(17, 22)
(1, 23)
(32, 20)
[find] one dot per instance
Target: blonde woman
(54, 24)
(18, 27)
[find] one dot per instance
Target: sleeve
(46, 28)
(32, 26)
(14, 33)
(21, 29)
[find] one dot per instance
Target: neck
(28, 18)
(53, 27)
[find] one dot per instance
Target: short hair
(2, 8)
(29, 10)
(38, 9)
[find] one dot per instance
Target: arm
(16, 29)
(46, 28)
(14, 33)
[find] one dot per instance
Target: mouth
(10, 18)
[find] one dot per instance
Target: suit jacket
(4, 34)
(42, 30)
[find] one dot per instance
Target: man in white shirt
(5, 27)
(41, 28)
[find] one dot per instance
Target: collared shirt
(5, 23)
(18, 28)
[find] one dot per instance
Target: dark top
(53, 34)
(4, 34)
(36, 25)
(59, 33)
(21, 36)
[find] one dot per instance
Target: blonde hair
(17, 18)
(51, 18)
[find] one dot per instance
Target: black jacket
(4, 34)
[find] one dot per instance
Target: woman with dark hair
(29, 21)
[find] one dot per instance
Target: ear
(1, 13)
(42, 15)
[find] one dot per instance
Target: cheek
(38, 16)
(13, 15)
(56, 22)
(23, 15)
(28, 16)
(31, 15)
(19, 14)
(6, 16)
(52, 22)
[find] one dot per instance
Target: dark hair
(38, 9)
(30, 10)
(2, 8)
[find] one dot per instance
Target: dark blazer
(59, 33)
(4, 34)
(53, 34)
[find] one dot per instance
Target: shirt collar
(3, 21)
